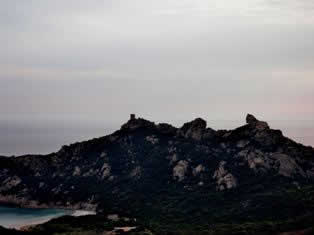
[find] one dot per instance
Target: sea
(18, 138)
(11, 217)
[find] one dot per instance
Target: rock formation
(143, 161)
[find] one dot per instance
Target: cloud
(199, 54)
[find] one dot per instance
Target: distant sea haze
(18, 138)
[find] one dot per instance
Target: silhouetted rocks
(193, 129)
(166, 129)
(143, 164)
(135, 123)
(250, 119)
(258, 125)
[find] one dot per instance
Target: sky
(165, 60)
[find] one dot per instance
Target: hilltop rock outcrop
(147, 158)
(193, 129)
(253, 122)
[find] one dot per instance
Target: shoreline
(27, 225)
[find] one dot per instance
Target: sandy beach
(82, 213)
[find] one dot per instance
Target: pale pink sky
(164, 60)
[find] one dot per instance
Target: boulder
(224, 179)
(198, 170)
(255, 123)
(193, 129)
(250, 119)
(180, 170)
(287, 165)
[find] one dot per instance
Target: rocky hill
(191, 178)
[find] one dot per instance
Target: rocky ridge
(144, 160)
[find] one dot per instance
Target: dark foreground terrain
(158, 179)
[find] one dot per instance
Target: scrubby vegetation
(188, 180)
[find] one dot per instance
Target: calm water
(17, 217)
(17, 138)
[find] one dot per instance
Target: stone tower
(132, 116)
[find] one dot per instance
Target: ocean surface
(18, 138)
(17, 217)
